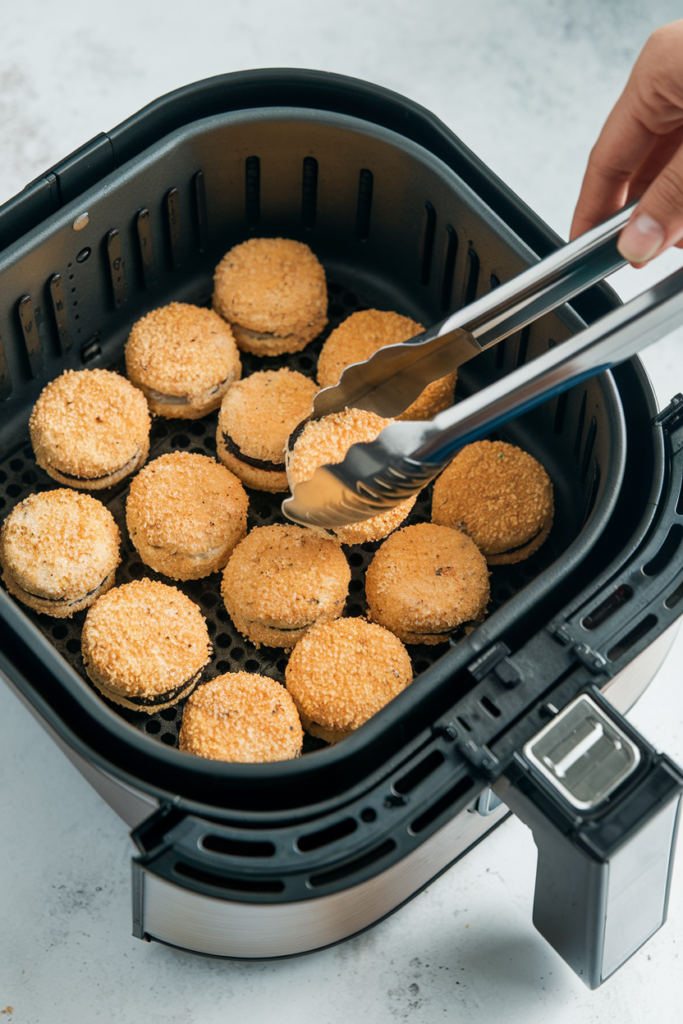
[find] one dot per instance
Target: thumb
(657, 221)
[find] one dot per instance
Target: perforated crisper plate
(20, 476)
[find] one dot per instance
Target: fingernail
(641, 239)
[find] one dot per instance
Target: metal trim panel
(228, 928)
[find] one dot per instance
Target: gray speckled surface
(527, 85)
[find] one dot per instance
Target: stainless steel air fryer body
(272, 860)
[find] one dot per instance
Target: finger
(654, 163)
(657, 221)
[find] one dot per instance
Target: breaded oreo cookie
(184, 359)
(59, 551)
(325, 442)
(145, 645)
(185, 513)
(360, 336)
(281, 580)
(90, 428)
(425, 581)
(257, 416)
(500, 496)
(344, 672)
(272, 292)
(242, 718)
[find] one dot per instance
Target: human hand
(640, 153)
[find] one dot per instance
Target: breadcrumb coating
(426, 580)
(360, 336)
(282, 579)
(185, 352)
(341, 673)
(144, 638)
(273, 290)
(242, 718)
(59, 551)
(325, 442)
(500, 496)
(185, 513)
(258, 414)
(89, 424)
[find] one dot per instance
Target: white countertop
(527, 85)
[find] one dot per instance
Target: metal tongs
(407, 455)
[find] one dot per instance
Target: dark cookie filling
(271, 467)
(520, 547)
(162, 698)
(72, 476)
(64, 600)
(162, 399)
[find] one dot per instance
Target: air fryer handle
(603, 807)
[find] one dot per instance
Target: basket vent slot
(588, 450)
(325, 836)
(666, 552)
(621, 596)
(173, 220)
(252, 191)
(118, 277)
(673, 598)
(428, 237)
(449, 267)
(5, 379)
(327, 877)
(59, 309)
(495, 282)
(419, 773)
(364, 208)
(632, 638)
(146, 247)
(465, 724)
(472, 277)
(223, 882)
(199, 190)
(29, 329)
(309, 192)
(489, 706)
(523, 346)
(237, 847)
(579, 428)
(441, 805)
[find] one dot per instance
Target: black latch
(593, 661)
(480, 757)
(487, 661)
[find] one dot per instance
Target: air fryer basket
(139, 218)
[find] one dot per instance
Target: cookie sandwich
(257, 416)
(59, 551)
(185, 513)
(145, 645)
(425, 581)
(183, 358)
(90, 429)
(360, 336)
(272, 292)
(325, 442)
(341, 673)
(500, 496)
(241, 717)
(281, 580)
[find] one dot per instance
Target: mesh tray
(20, 476)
